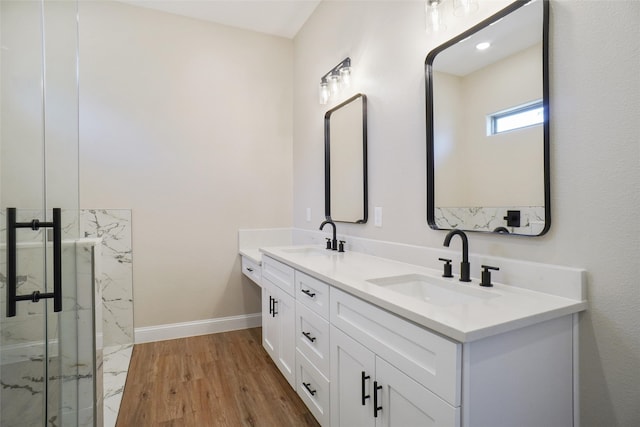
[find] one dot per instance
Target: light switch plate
(377, 216)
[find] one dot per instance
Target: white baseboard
(199, 327)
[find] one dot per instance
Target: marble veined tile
(489, 218)
(115, 366)
(113, 226)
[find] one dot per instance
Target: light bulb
(464, 7)
(324, 92)
(435, 20)
(334, 83)
(345, 76)
(483, 46)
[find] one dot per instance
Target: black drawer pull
(376, 408)
(365, 396)
(250, 270)
(308, 336)
(308, 293)
(308, 387)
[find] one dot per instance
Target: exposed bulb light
(334, 83)
(339, 77)
(435, 18)
(324, 92)
(345, 77)
(439, 10)
(483, 46)
(464, 7)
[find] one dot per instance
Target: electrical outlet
(308, 214)
(377, 216)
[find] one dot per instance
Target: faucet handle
(341, 246)
(447, 267)
(329, 243)
(486, 275)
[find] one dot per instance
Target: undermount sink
(431, 290)
(305, 250)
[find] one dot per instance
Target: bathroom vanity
(366, 340)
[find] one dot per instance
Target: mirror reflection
(487, 125)
(345, 139)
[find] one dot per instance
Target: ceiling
(276, 17)
(521, 30)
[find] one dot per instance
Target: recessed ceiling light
(483, 46)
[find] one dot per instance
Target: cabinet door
(286, 323)
(269, 322)
(352, 376)
(403, 402)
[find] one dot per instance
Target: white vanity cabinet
(278, 316)
(355, 364)
(367, 389)
(518, 378)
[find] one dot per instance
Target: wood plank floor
(219, 380)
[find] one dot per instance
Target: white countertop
(506, 309)
(253, 254)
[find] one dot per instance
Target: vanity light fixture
(338, 78)
(437, 14)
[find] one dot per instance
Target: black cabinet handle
(308, 336)
(365, 396)
(270, 304)
(274, 312)
(376, 408)
(308, 293)
(308, 387)
(12, 248)
(250, 270)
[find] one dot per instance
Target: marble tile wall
(21, 358)
(490, 218)
(113, 227)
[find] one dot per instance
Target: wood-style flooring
(217, 380)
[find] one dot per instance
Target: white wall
(189, 124)
(489, 170)
(595, 173)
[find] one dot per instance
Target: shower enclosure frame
(47, 345)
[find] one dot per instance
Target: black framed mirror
(345, 161)
(488, 125)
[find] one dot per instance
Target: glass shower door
(46, 357)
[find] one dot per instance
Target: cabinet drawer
(312, 338)
(313, 293)
(431, 360)
(313, 389)
(251, 269)
(279, 274)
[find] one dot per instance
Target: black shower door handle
(12, 273)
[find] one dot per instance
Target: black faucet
(334, 243)
(465, 267)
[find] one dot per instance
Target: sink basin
(434, 290)
(305, 250)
